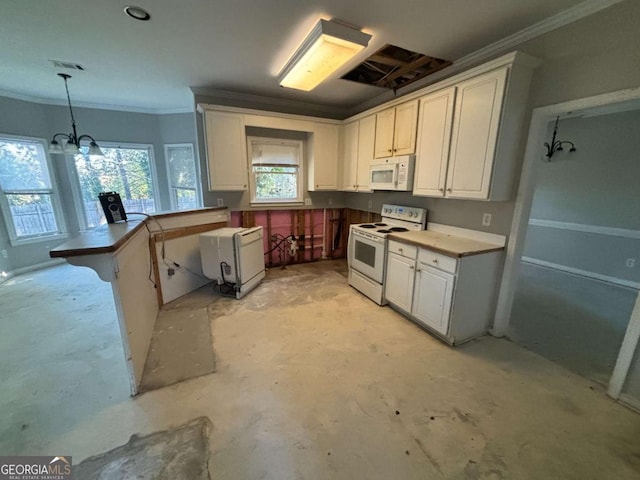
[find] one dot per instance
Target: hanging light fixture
(327, 47)
(556, 145)
(72, 144)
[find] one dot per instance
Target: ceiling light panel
(327, 47)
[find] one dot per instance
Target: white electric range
(367, 255)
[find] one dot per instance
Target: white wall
(596, 187)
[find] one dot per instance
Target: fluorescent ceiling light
(327, 47)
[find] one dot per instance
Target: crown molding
(98, 106)
(573, 14)
(241, 100)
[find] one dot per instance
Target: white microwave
(393, 173)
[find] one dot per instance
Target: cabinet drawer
(433, 259)
(403, 249)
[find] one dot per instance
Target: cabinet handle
(410, 267)
(400, 250)
(390, 150)
(441, 189)
(317, 186)
(435, 260)
(418, 270)
(448, 189)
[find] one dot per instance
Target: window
(276, 165)
(127, 170)
(29, 202)
(184, 185)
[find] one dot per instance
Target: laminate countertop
(450, 245)
(110, 237)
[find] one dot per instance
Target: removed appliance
(393, 173)
(367, 248)
(234, 258)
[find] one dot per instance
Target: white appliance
(234, 258)
(367, 250)
(393, 173)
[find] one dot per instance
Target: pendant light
(72, 143)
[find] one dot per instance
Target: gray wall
(596, 186)
(19, 117)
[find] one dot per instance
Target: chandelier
(72, 144)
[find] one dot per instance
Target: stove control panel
(411, 214)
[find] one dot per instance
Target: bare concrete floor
(315, 381)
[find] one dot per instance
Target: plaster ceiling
(234, 45)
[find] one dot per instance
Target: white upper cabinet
(323, 157)
(468, 143)
(356, 147)
(396, 130)
(474, 135)
(349, 156)
(432, 149)
(366, 145)
(226, 151)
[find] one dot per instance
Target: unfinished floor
(313, 381)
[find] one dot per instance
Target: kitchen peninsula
(128, 255)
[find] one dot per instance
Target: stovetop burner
(383, 231)
(367, 225)
(380, 224)
(398, 229)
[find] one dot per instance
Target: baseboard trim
(629, 401)
(581, 227)
(583, 273)
(31, 268)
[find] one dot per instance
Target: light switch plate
(486, 219)
(307, 201)
(221, 202)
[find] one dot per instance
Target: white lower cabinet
(451, 297)
(399, 284)
(432, 297)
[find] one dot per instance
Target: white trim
(583, 273)
(581, 227)
(37, 266)
(577, 12)
(97, 106)
(202, 107)
(532, 160)
(499, 240)
(632, 402)
(627, 353)
(217, 95)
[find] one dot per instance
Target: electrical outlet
(330, 201)
(307, 201)
(630, 263)
(221, 202)
(486, 219)
(370, 204)
(5, 254)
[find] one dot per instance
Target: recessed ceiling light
(138, 13)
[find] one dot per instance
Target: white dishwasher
(234, 258)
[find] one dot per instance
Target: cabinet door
(384, 133)
(349, 157)
(366, 145)
(323, 162)
(434, 135)
(226, 151)
(399, 281)
(404, 134)
(474, 135)
(432, 297)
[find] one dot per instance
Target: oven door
(384, 176)
(366, 255)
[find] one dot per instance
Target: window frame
(199, 200)
(56, 204)
(299, 200)
(76, 188)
